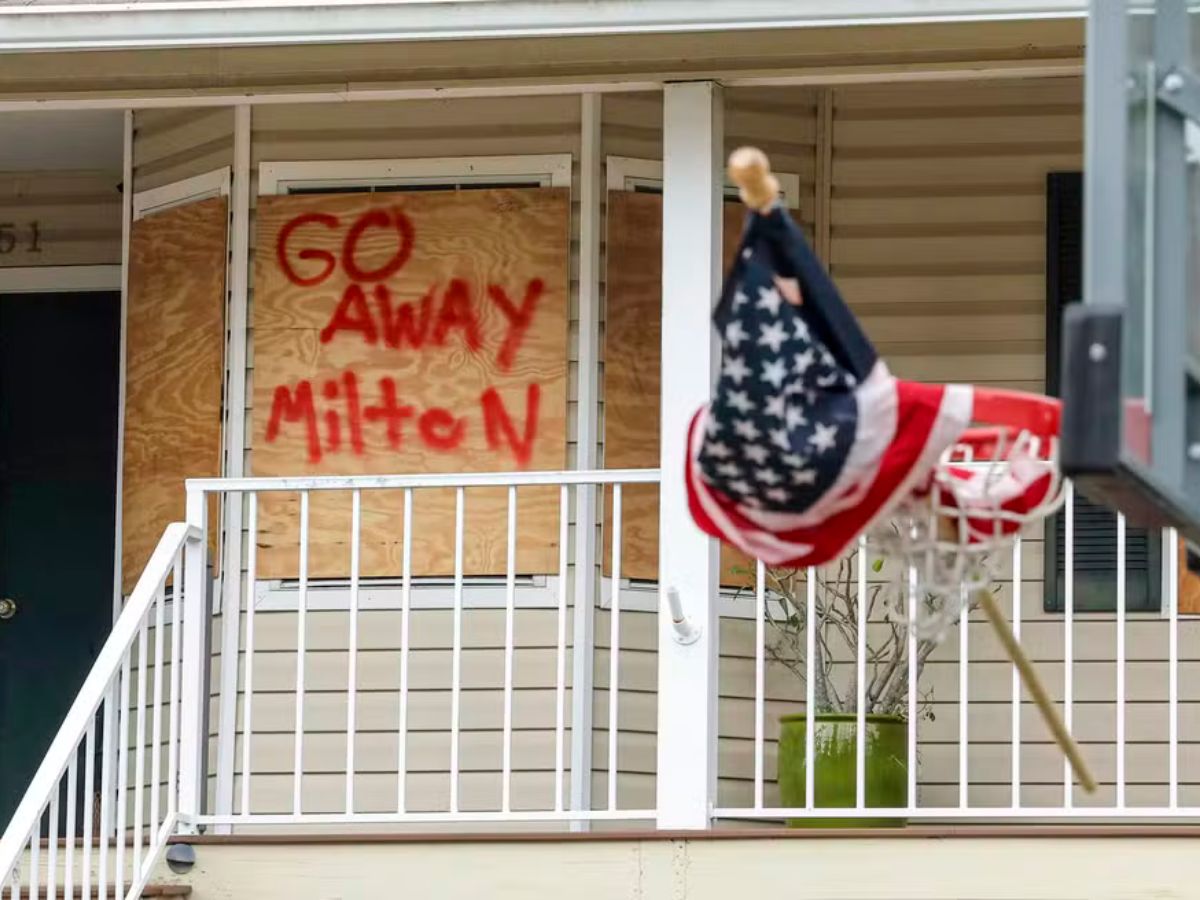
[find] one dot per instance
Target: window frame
(543, 170)
(205, 186)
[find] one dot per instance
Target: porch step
(150, 890)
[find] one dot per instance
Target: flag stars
(736, 368)
(740, 486)
(735, 334)
(740, 298)
(779, 437)
(778, 494)
(756, 453)
(795, 460)
(824, 437)
(804, 477)
(718, 450)
(747, 429)
(729, 470)
(769, 299)
(774, 372)
(773, 336)
(795, 417)
(801, 329)
(740, 400)
(767, 476)
(775, 406)
(804, 361)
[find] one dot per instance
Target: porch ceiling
(35, 25)
(879, 51)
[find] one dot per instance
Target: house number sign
(26, 236)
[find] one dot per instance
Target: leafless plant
(836, 638)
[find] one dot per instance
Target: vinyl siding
(173, 144)
(78, 215)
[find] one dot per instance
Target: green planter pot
(834, 767)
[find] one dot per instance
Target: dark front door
(59, 359)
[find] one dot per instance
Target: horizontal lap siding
(78, 215)
(938, 221)
(173, 144)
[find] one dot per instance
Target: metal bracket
(1179, 90)
(686, 632)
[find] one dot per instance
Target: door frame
(60, 279)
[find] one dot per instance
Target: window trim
(549, 170)
(178, 193)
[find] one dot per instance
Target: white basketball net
(950, 534)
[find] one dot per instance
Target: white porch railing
(127, 724)
(547, 800)
(474, 718)
(960, 790)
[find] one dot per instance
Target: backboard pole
(1168, 313)
(1104, 271)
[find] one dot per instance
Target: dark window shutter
(1095, 525)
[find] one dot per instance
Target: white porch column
(693, 157)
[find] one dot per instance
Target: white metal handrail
(123, 662)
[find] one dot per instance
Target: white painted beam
(235, 454)
(199, 23)
(693, 156)
(585, 580)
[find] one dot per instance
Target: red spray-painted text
(345, 410)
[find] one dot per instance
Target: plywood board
(632, 370)
(175, 334)
(1189, 584)
(411, 333)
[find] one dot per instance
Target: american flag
(808, 441)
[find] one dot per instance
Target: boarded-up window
(1095, 525)
(175, 334)
(632, 370)
(414, 333)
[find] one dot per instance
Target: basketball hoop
(950, 533)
